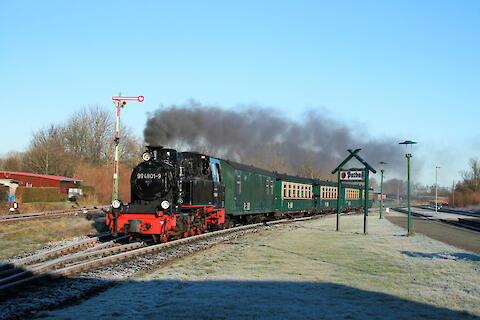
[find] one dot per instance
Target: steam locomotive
(180, 194)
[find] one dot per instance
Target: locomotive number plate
(149, 176)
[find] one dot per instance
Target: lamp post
(408, 156)
(381, 188)
(436, 187)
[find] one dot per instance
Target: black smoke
(265, 138)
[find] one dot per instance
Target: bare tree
(88, 134)
(472, 177)
(46, 154)
(12, 162)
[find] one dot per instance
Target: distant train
(179, 194)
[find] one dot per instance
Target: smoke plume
(264, 138)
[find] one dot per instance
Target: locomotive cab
(203, 180)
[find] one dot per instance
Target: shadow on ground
(174, 299)
(98, 222)
(443, 255)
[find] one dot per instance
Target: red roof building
(41, 180)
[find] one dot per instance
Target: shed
(42, 180)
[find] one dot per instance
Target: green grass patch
(16, 238)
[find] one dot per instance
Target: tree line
(79, 148)
(467, 191)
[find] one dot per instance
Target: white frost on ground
(303, 271)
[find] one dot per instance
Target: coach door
(218, 185)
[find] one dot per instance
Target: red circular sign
(141, 98)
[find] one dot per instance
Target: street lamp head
(438, 167)
(408, 143)
(382, 164)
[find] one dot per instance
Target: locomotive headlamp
(165, 204)
(116, 204)
(146, 156)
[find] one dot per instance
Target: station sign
(352, 175)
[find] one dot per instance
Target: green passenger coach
(293, 194)
(248, 190)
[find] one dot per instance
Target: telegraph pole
(436, 187)
(453, 192)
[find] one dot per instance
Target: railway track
(91, 254)
(462, 223)
(470, 213)
(50, 214)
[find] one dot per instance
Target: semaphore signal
(121, 102)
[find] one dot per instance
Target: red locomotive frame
(194, 220)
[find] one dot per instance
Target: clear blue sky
(403, 69)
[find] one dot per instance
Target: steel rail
(458, 224)
(50, 214)
(116, 254)
(469, 213)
